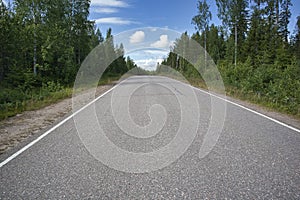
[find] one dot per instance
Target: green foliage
(51, 86)
(54, 37)
(268, 65)
(270, 85)
(201, 20)
(43, 44)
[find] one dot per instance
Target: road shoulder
(29, 124)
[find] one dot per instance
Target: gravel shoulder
(21, 127)
(287, 119)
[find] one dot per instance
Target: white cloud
(153, 29)
(137, 37)
(114, 20)
(109, 3)
(148, 64)
(155, 52)
(105, 10)
(163, 42)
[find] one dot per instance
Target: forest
(43, 44)
(257, 56)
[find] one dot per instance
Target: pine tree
(216, 43)
(5, 40)
(284, 20)
(82, 29)
(296, 40)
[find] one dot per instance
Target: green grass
(36, 102)
(260, 100)
(108, 79)
(291, 110)
(15, 101)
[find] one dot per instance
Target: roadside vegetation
(258, 58)
(43, 44)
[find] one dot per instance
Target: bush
(273, 85)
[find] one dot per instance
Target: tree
(130, 64)
(82, 28)
(295, 41)
(181, 47)
(5, 39)
(30, 14)
(216, 43)
(285, 19)
(254, 38)
(234, 15)
(120, 62)
(201, 21)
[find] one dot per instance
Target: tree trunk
(34, 55)
(235, 41)
(34, 40)
(205, 53)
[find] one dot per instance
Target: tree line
(254, 50)
(48, 40)
(43, 44)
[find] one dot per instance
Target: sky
(172, 18)
(168, 15)
(122, 15)
(147, 46)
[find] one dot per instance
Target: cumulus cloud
(137, 37)
(163, 42)
(109, 3)
(114, 20)
(148, 64)
(148, 59)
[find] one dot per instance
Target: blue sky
(128, 19)
(122, 15)
(147, 46)
(129, 14)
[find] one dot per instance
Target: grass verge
(15, 101)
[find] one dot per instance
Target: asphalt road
(158, 150)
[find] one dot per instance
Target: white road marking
(248, 109)
(52, 129)
(65, 120)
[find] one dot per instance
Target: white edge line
(68, 118)
(248, 109)
(253, 111)
(52, 129)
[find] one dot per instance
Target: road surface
(253, 158)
